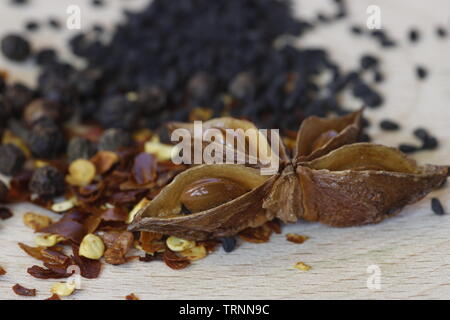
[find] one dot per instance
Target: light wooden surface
(412, 249)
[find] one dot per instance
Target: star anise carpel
(330, 178)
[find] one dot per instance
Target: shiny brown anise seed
(209, 193)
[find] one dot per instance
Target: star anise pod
(330, 178)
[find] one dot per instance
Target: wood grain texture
(412, 249)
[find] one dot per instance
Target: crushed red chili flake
(45, 273)
(173, 261)
(275, 226)
(22, 291)
(132, 296)
(256, 235)
(157, 256)
(116, 254)
(144, 168)
(5, 213)
(2, 271)
(67, 228)
(296, 238)
(54, 297)
(115, 214)
(44, 254)
(89, 269)
(104, 161)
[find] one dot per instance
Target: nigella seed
(441, 32)
(436, 206)
(430, 143)
(357, 30)
(228, 243)
(54, 23)
(421, 133)
(389, 125)
(368, 61)
(414, 35)
(408, 148)
(421, 72)
(378, 77)
(32, 26)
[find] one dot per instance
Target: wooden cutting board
(410, 251)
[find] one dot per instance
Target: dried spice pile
(86, 143)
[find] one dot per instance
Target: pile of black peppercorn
(174, 56)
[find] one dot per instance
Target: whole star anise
(329, 178)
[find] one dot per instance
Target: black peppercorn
(80, 148)
(15, 47)
(114, 139)
(17, 96)
(45, 56)
(12, 159)
(151, 99)
(46, 140)
(118, 112)
(3, 192)
(47, 182)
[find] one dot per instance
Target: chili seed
(437, 207)
(12, 159)
(15, 47)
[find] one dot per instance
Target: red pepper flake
(132, 296)
(43, 273)
(256, 235)
(2, 271)
(116, 254)
(68, 228)
(174, 261)
(54, 297)
(22, 291)
(104, 161)
(296, 238)
(5, 213)
(115, 214)
(275, 226)
(144, 168)
(89, 269)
